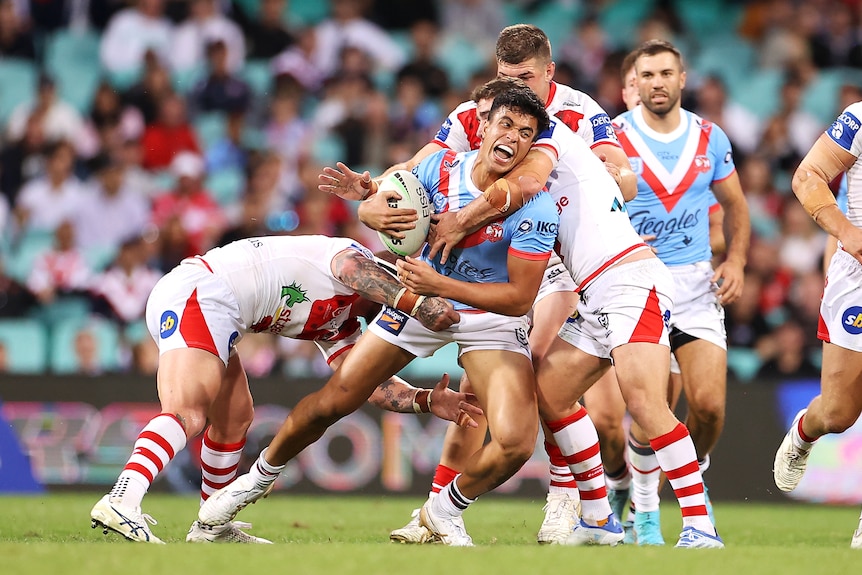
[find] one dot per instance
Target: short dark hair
(655, 47)
(491, 88)
(523, 100)
(628, 64)
(520, 42)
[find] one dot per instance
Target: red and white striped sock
(678, 459)
(578, 441)
(562, 480)
(219, 464)
(158, 443)
(443, 476)
(646, 475)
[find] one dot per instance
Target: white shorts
(192, 308)
(557, 278)
(841, 306)
(696, 310)
(475, 331)
(628, 303)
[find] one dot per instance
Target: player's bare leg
(189, 382)
(346, 390)
(833, 411)
(563, 376)
(459, 444)
(563, 502)
(642, 370)
(504, 383)
(607, 410)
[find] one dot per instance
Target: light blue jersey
(481, 257)
(675, 172)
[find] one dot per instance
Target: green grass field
(346, 535)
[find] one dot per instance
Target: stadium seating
(17, 84)
(225, 185)
(209, 127)
(63, 359)
(24, 250)
(26, 345)
(743, 362)
(621, 18)
(72, 57)
(256, 73)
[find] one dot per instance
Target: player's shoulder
(460, 109)
(541, 203)
(623, 121)
(568, 97)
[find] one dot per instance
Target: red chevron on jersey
(570, 118)
(669, 187)
(445, 170)
(470, 122)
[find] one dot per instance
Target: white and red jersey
(284, 285)
(845, 131)
(595, 230)
(583, 115)
(577, 110)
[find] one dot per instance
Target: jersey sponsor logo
(636, 164)
(618, 206)
(728, 157)
(231, 341)
(521, 336)
(670, 233)
(168, 324)
(392, 320)
(448, 165)
(547, 228)
(444, 130)
(852, 320)
(844, 129)
(603, 129)
(525, 226)
(363, 250)
(562, 203)
(666, 318)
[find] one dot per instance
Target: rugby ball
(413, 195)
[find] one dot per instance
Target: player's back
(594, 226)
(281, 281)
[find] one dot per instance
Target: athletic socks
(219, 464)
(579, 443)
(157, 444)
(678, 459)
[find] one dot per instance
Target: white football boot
(790, 461)
(412, 533)
(561, 515)
(129, 522)
(447, 530)
(223, 505)
(231, 532)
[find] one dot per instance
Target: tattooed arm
(397, 395)
(376, 284)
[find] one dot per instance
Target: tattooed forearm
(394, 394)
(366, 277)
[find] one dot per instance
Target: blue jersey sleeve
(428, 171)
(722, 153)
(535, 227)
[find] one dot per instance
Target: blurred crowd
(152, 130)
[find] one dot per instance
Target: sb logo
(168, 324)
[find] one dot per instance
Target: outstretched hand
(444, 235)
(454, 405)
(345, 183)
